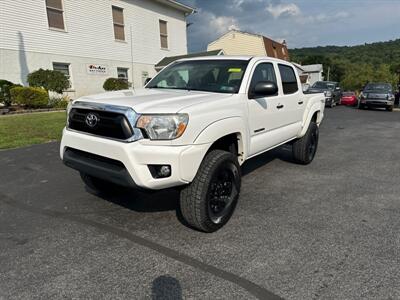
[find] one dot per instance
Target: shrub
(61, 103)
(5, 95)
(115, 84)
(31, 97)
(50, 80)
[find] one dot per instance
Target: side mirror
(147, 81)
(263, 89)
(337, 88)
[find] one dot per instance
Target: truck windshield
(384, 87)
(218, 76)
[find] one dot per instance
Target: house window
(55, 14)
(164, 34)
(118, 20)
(122, 73)
(63, 68)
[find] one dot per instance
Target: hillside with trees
(354, 66)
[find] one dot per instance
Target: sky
(302, 23)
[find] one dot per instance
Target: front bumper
(376, 103)
(134, 158)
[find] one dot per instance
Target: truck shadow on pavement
(168, 200)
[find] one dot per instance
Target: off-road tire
(99, 185)
(195, 198)
(304, 149)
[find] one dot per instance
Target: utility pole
(329, 72)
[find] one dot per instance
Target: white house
(236, 42)
(309, 74)
(90, 40)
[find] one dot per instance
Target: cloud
(289, 9)
(323, 18)
(301, 23)
(222, 24)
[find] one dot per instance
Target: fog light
(160, 171)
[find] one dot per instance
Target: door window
(263, 72)
(289, 81)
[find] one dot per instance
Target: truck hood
(155, 100)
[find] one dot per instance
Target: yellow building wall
(237, 43)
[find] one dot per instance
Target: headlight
(163, 127)
(69, 107)
(362, 95)
(328, 94)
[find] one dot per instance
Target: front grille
(108, 124)
(100, 160)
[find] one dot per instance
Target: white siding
(239, 43)
(88, 38)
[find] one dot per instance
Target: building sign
(97, 69)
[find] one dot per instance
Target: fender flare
(316, 107)
(224, 127)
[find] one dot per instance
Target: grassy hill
(369, 62)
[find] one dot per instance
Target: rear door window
(289, 81)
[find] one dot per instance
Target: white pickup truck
(192, 127)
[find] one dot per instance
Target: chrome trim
(129, 113)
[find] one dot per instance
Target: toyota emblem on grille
(92, 120)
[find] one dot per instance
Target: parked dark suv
(378, 95)
(332, 91)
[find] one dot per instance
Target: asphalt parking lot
(330, 230)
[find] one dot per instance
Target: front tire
(209, 201)
(304, 149)
(390, 108)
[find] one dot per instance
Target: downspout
(131, 29)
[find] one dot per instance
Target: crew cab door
(292, 97)
(266, 115)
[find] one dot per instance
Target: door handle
(300, 102)
(280, 106)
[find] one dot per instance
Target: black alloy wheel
(222, 192)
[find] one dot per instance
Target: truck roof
(233, 57)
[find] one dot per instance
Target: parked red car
(349, 98)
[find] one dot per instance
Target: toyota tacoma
(192, 127)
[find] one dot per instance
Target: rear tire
(99, 185)
(209, 201)
(304, 149)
